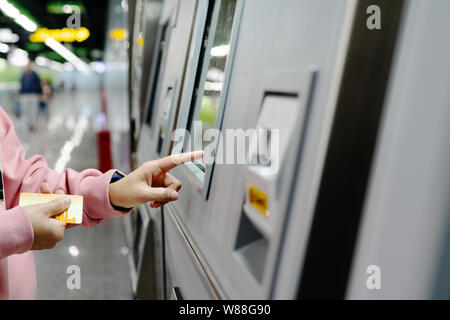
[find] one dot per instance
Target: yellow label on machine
(74, 215)
(258, 200)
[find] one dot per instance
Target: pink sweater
(17, 271)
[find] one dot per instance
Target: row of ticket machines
(355, 204)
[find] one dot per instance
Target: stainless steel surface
(405, 231)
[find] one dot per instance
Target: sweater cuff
(96, 194)
(17, 232)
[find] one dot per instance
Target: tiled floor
(101, 252)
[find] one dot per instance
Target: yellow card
(74, 215)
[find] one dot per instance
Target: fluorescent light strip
(9, 9)
(4, 48)
(220, 51)
(14, 13)
(18, 57)
(47, 63)
(26, 23)
(67, 54)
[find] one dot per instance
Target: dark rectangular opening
(251, 247)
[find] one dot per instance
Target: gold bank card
(74, 215)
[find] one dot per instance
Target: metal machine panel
(405, 229)
(152, 267)
(151, 18)
(176, 25)
(172, 42)
(137, 58)
(206, 102)
(147, 14)
(139, 258)
(234, 232)
(296, 231)
(185, 276)
(350, 149)
(286, 43)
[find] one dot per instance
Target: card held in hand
(74, 215)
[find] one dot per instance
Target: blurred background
(85, 90)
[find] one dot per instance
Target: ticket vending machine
(351, 171)
(141, 42)
(247, 69)
(171, 40)
(283, 75)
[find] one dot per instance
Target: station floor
(100, 253)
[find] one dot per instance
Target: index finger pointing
(170, 162)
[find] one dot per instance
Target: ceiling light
(68, 67)
(220, 51)
(124, 5)
(42, 61)
(18, 57)
(67, 54)
(56, 66)
(98, 66)
(26, 23)
(67, 8)
(118, 34)
(4, 48)
(6, 35)
(14, 13)
(64, 7)
(60, 35)
(9, 9)
(213, 86)
(73, 250)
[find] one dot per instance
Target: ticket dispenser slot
(166, 119)
(269, 175)
(275, 127)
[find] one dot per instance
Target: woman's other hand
(152, 183)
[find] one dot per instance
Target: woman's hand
(47, 231)
(150, 183)
(45, 188)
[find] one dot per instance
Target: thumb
(162, 195)
(55, 207)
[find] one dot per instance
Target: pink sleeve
(26, 175)
(16, 232)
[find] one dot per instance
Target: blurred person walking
(30, 90)
(47, 94)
